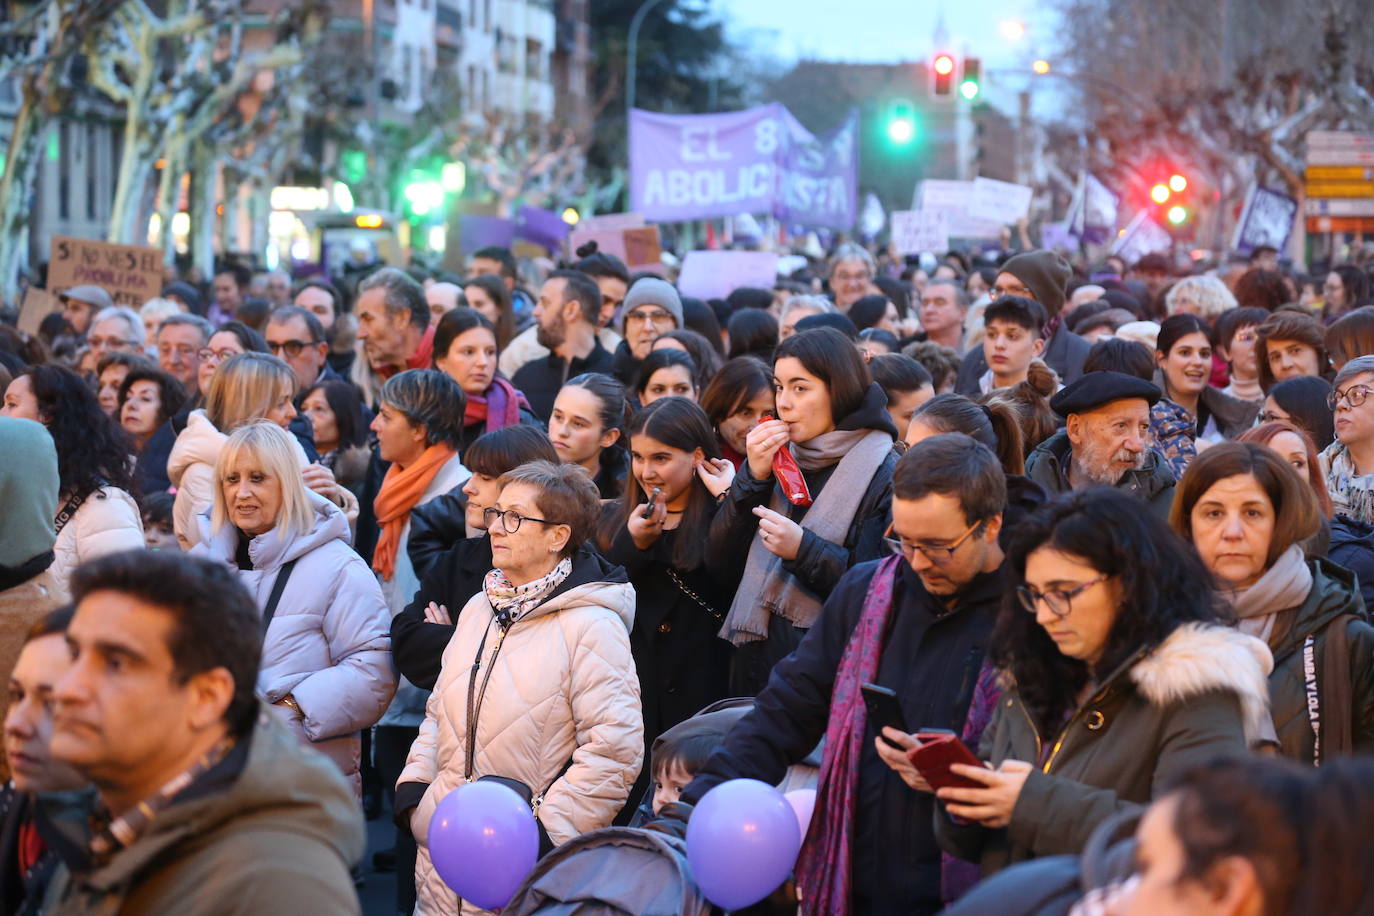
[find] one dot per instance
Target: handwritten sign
(915, 231)
(954, 199)
(37, 305)
(623, 235)
(999, 201)
(131, 274)
(715, 274)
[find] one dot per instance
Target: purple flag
(479, 231)
(819, 176)
(542, 227)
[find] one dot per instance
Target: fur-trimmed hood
(1197, 658)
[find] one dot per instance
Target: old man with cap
(1042, 276)
(1105, 441)
(651, 309)
(81, 303)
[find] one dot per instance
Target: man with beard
(1105, 441)
(566, 316)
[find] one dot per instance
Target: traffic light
(973, 76)
(942, 69)
(901, 121)
(1170, 194)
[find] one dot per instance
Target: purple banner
(761, 160)
(819, 178)
(478, 231)
(542, 227)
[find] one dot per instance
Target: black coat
(541, 379)
(1352, 546)
(473, 431)
(418, 646)
(931, 657)
(21, 893)
(436, 528)
(819, 564)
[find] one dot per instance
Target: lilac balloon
(803, 802)
(483, 842)
(742, 842)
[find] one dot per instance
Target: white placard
(1142, 236)
(715, 274)
(999, 201)
(915, 231)
(953, 199)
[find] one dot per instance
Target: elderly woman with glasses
(538, 686)
(1348, 463)
(1118, 680)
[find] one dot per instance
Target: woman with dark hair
(338, 423)
(736, 399)
(147, 399)
(1350, 336)
(95, 513)
(875, 312)
(787, 550)
(1191, 409)
(1236, 336)
(109, 376)
(1031, 399)
(699, 317)
(586, 425)
(486, 294)
(1346, 288)
(658, 532)
(752, 332)
(906, 383)
(707, 358)
(1260, 288)
(233, 338)
(1118, 675)
(1246, 511)
(666, 373)
(1290, 345)
(465, 349)
(995, 425)
(1302, 402)
(611, 277)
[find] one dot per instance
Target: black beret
(1094, 389)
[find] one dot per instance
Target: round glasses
(1355, 395)
(1058, 600)
(510, 519)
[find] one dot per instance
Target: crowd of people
(273, 561)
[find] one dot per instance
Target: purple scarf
(499, 408)
(823, 868)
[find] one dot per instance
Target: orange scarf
(401, 490)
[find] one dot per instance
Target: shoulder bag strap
(68, 511)
(274, 599)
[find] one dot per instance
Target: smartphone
(932, 758)
(884, 711)
(648, 512)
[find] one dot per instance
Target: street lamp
(632, 52)
(1041, 67)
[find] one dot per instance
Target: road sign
(1321, 207)
(1339, 181)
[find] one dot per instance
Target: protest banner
(953, 198)
(131, 274)
(713, 274)
(999, 201)
(915, 231)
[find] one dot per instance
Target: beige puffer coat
(563, 686)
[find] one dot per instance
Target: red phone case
(789, 474)
(933, 756)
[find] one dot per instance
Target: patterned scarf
(823, 868)
(1352, 494)
(499, 406)
(512, 602)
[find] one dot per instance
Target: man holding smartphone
(918, 625)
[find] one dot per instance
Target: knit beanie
(28, 491)
(652, 291)
(1045, 274)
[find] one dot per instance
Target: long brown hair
(1296, 516)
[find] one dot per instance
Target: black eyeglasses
(1058, 600)
(937, 555)
(292, 348)
(510, 519)
(1355, 395)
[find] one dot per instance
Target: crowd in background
(321, 549)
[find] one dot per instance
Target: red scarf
(499, 406)
(422, 358)
(823, 868)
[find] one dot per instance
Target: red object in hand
(933, 756)
(789, 475)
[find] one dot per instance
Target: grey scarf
(766, 587)
(1283, 586)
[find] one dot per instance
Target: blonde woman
(249, 386)
(326, 653)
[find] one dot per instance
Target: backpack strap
(274, 599)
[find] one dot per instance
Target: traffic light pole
(632, 52)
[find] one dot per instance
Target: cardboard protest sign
(37, 305)
(131, 274)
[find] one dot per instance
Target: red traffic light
(943, 64)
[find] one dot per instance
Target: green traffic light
(1177, 215)
(968, 89)
(901, 130)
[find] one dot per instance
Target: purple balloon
(742, 841)
(483, 842)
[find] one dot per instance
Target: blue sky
(884, 31)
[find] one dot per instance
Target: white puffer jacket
(563, 685)
(107, 522)
(191, 469)
(329, 643)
